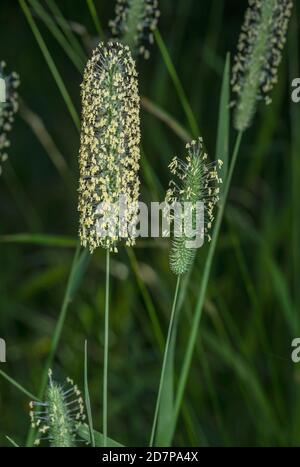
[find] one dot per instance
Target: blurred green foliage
(243, 388)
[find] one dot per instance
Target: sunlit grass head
(109, 145)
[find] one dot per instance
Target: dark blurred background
(243, 387)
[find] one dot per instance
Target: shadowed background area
(243, 388)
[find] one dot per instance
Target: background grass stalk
(105, 367)
(199, 306)
(163, 370)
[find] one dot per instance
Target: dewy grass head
(258, 57)
(135, 23)
(109, 150)
(57, 419)
(8, 108)
(197, 182)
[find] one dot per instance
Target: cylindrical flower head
(198, 182)
(109, 151)
(258, 57)
(8, 108)
(59, 416)
(134, 24)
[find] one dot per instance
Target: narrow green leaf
(95, 17)
(18, 386)
(57, 34)
(246, 374)
(40, 239)
(165, 398)
(12, 442)
(66, 29)
(178, 86)
(87, 397)
(84, 433)
(166, 118)
(222, 147)
(147, 299)
(55, 73)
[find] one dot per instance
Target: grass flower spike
(109, 150)
(8, 109)
(134, 24)
(198, 181)
(57, 419)
(259, 54)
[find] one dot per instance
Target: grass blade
(40, 239)
(66, 29)
(51, 64)
(178, 86)
(95, 17)
(57, 34)
(39, 129)
(222, 148)
(18, 386)
(12, 442)
(84, 433)
(87, 397)
(166, 118)
(165, 398)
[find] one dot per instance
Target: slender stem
(105, 367)
(163, 370)
(199, 306)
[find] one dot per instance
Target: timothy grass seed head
(197, 180)
(8, 108)
(258, 57)
(57, 419)
(135, 23)
(109, 146)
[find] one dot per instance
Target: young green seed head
(134, 24)
(109, 146)
(8, 108)
(57, 419)
(198, 181)
(258, 57)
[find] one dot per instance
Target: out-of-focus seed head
(109, 146)
(8, 108)
(258, 57)
(198, 181)
(58, 418)
(135, 23)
